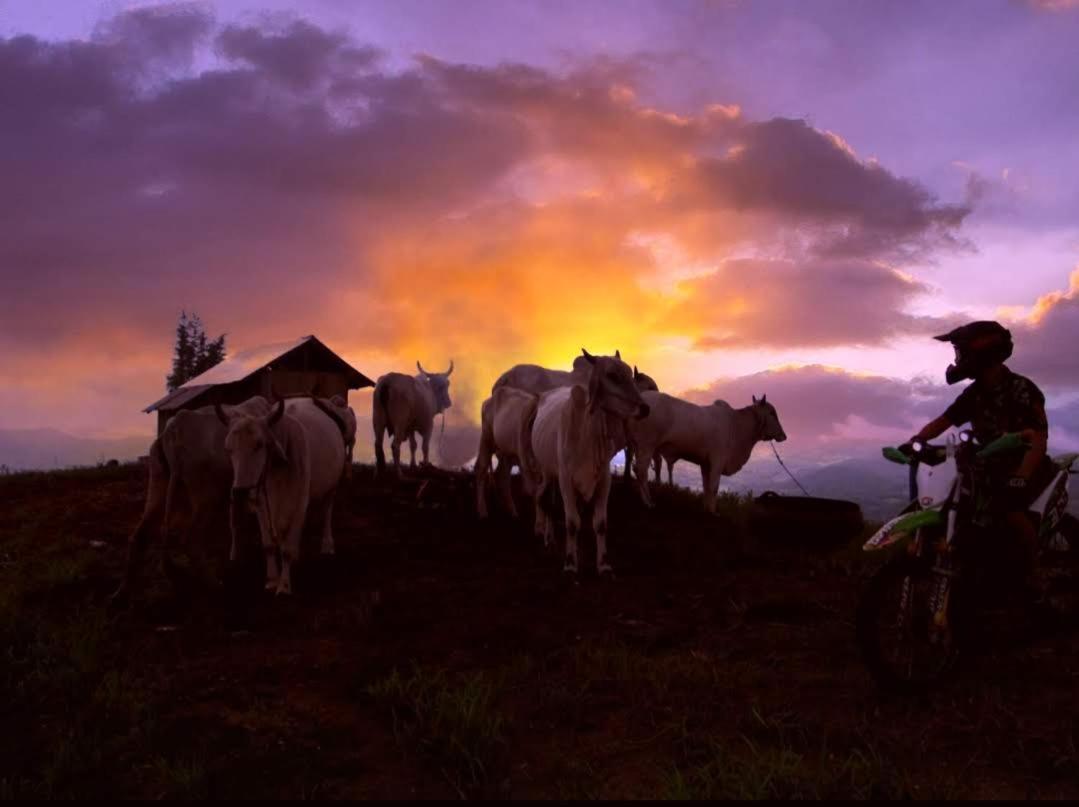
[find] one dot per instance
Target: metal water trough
(806, 522)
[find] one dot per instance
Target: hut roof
(246, 363)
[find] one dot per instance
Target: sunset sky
(743, 197)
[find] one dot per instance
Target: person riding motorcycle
(1000, 401)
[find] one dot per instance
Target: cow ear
(222, 415)
(764, 399)
(754, 400)
(276, 414)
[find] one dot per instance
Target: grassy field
(437, 657)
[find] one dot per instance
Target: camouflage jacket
(1014, 404)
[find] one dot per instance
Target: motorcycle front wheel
(902, 647)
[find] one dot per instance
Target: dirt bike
(917, 612)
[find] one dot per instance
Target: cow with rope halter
(576, 432)
(287, 466)
(717, 437)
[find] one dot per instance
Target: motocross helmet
(978, 346)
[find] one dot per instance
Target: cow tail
(153, 514)
(384, 402)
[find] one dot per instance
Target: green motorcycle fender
(901, 526)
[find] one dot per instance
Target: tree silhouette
(194, 353)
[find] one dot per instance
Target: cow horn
(589, 356)
(754, 400)
(276, 414)
(420, 368)
(764, 398)
(618, 354)
(451, 368)
(636, 372)
(221, 414)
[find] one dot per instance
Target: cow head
(252, 446)
(440, 386)
(768, 420)
(645, 383)
(611, 387)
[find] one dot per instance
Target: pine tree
(195, 353)
(215, 351)
(183, 359)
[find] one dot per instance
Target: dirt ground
(437, 657)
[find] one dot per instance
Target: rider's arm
(1030, 404)
(1038, 437)
(934, 428)
(1035, 454)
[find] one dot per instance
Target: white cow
(716, 437)
(538, 380)
(576, 433)
(286, 467)
(505, 433)
(188, 489)
(403, 405)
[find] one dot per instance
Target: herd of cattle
(283, 464)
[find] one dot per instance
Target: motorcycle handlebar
(908, 453)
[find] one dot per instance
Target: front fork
(943, 572)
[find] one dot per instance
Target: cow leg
(234, 528)
(412, 450)
(644, 460)
(714, 490)
(169, 527)
(481, 469)
(670, 471)
(573, 523)
(272, 574)
(395, 447)
(544, 527)
(502, 477)
(269, 551)
(599, 525)
(327, 528)
(710, 483)
(628, 456)
(201, 549)
(427, 445)
(657, 466)
(290, 551)
(380, 455)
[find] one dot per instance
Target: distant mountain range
(857, 473)
(31, 449)
(879, 487)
